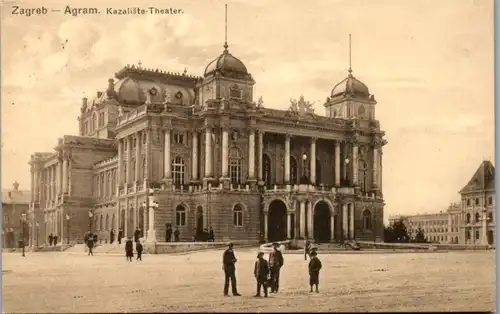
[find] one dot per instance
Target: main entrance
(276, 221)
(322, 222)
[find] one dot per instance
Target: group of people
(169, 232)
(267, 272)
(205, 235)
(52, 239)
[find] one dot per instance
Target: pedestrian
(307, 247)
(261, 273)
(111, 236)
(90, 244)
(211, 235)
(54, 240)
(120, 235)
(177, 235)
(138, 248)
(314, 268)
(129, 250)
(51, 238)
(276, 261)
(137, 234)
(228, 265)
(168, 234)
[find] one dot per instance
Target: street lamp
(23, 220)
(90, 220)
(37, 232)
(67, 228)
(151, 206)
(304, 179)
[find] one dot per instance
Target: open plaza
(384, 281)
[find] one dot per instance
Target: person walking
(129, 250)
(139, 249)
(120, 235)
(137, 234)
(261, 273)
(90, 244)
(228, 265)
(211, 235)
(168, 234)
(314, 268)
(177, 234)
(111, 236)
(276, 261)
(51, 238)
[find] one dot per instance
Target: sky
(429, 64)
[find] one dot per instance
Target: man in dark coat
(139, 249)
(90, 244)
(111, 236)
(211, 235)
(276, 261)
(228, 261)
(168, 234)
(314, 268)
(129, 249)
(120, 235)
(261, 272)
(137, 234)
(55, 240)
(51, 238)
(177, 234)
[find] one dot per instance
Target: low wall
(422, 246)
(181, 247)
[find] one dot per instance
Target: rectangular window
(179, 138)
(180, 218)
(235, 92)
(238, 218)
(490, 200)
(477, 201)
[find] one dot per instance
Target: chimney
(84, 102)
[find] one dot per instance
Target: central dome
(227, 65)
(351, 86)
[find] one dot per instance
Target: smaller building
(15, 202)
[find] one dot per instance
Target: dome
(351, 86)
(128, 90)
(227, 65)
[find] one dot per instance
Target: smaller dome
(227, 64)
(128, 90)
(351, 86)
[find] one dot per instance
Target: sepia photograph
(248, 156)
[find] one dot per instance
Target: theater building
(158, 148)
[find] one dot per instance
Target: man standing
(129, 250)
(90, 244)
(275, 263)
(137, 234)
(120, 235)
(228, 261)
(211, 235)
(51, 238)
(261, 271)
(177, 234)
(139, 249)
(168, 234)
(111, 236)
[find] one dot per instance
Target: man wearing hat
(261, 271)
(275, 263)
(314, 268)
(228, 261)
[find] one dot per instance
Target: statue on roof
(300, 107)
(260, 102)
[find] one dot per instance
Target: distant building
(15, 202)
(470, 222)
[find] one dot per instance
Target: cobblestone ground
(62, 282)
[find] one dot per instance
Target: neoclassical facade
(158, 148)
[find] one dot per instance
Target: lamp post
(151, 207)
(346, 163)
(37, 232)
(67, 228)
(304, 164)
(90, 220)
(23, 220)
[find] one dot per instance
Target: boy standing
(261, 271)
(314, 268)
(138, 248)
(129, 250)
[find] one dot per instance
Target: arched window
(178, 170)
(293, 171)
(367, 219)
(107, 226)
(237, 215)
(468, 202)
(235, 165)
(363, 175)
(180, 215)
(467, 218)
(101, 119)
(476, 217)
(94, 121)
(125, 145)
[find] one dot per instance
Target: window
(361, 112)
(125, 174)
(235, 92)
(477, 234)
(490, 217)
(178, 171)
(5, 218)
(86, 128)
(235, 165)
(477, 201)
(106, 225)
(101, 221)
(490, 200)
(293, 171)
(134, 142)
(467, 218)
(101, 119)
(180, 215)
(237, 215)
(110, 186)
(103, 186)
(132, 166)
(144, 138)
(94, 121)
(468, 202)
(179, 138)
(125, 146)
(476, 219)
(367, 220)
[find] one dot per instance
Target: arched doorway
(266, 171)
(322, 222)
(199, 222)
(490, 237)
(276, 221)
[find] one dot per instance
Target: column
(251, 155)
(33, 195)
(351, 222)
(375, 165)
(137, 157)
(260, 139)
(355, 163)
(345, 226)
(148, 155)
(448, 236)
(58, 179)
(310, 224)
(287, 159)
(484, 238)
(194, 161)
(208, 152)
(332, 227)
(289, 225)
(65, 174)
(337, 163)
(36, 185)
(128, 179)
(313, 161)
(54, 182)
(266, 214)
(302, 210)
(119, 172)
(225, 152)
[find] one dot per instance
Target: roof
(16, 196)
(351, 86)
(483, 178)
(228, 65)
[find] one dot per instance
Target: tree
(419, 236)
(396, 232)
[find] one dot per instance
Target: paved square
(63, 282)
